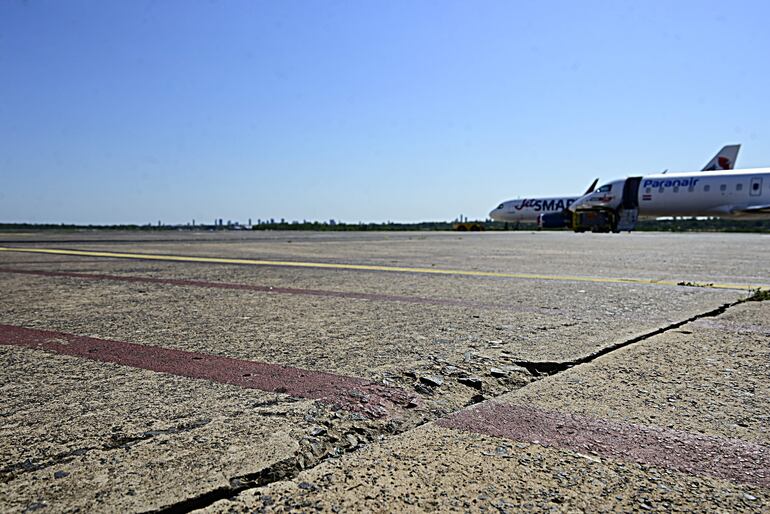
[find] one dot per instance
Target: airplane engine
(555, 220)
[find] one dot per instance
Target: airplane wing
(755, 209)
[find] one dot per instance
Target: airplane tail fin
(724, 160)
(591, 187)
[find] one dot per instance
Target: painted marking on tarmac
(699, 454)
(367, 267)
(355, 394)
(285, 290)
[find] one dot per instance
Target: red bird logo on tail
(724, 162)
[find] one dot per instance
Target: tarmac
(278, 371)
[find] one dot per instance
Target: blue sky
(137, 111)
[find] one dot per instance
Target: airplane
(617, 205)
(527, 210)
(552, 212)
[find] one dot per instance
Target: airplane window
(739, 187)
(660, 189)
(676, 189)
(691, 188)
(707, 188)
(723, 187)
(648, 190)
(605, 188)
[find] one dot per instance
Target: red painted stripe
(283, 290)
(355, 394)
(730, 459)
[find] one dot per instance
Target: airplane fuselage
(527, 210)
(740, 194)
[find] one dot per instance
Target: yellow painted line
(368, 267)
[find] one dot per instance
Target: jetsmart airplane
(616, 206)
(527, 210)
(531, 210)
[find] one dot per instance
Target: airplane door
(631, 193)
(755, 188)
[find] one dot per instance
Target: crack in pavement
(290, 468)
(117, 442)
(549, 368)
(337, 433)
(281, 470)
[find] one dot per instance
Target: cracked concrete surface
(685, 379)
(103, 437)
(79, 434)
(437, 469)
(708, 376)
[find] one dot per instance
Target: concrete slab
(709, 376)
(378, 338)
(528, 323)
(701, 257)
(99, 437)
(707, 381)
(440, 469)
(450, 340)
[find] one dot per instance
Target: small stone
(60, 474)
(432, 380)
(317, 430)
(423, 389)
(318, 449)
(307, 486)
(497, 372)
(749, 497)
(476, 398)
(306, 460)
(474, 382)
(376, 411)
(512, 368)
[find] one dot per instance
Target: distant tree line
(668, 225)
